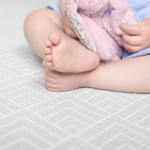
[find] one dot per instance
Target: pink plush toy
(96, 29)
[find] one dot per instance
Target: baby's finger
(131, 29)
(131, 49)
(132, 40)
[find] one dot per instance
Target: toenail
(44, 63)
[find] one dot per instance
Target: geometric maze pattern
(32, 118)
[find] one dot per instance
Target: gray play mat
(32, 118)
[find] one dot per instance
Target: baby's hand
(67, 27)
(137, 37)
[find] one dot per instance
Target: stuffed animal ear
(121, 13)
(129, 18)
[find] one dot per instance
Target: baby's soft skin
(68, 55)
(137, 37)
(131, 75)
(65, 54)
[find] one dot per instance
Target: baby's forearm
(62, 9)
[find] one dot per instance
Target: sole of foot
(68, 55)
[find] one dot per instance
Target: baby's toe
(47, 51)
(52, 90)
(55, 38)
(50, 79)
(44, 63)
(51, 85)
(48, 58)
(48, 65)
(53, 74)
(48, 43)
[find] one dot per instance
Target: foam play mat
(33, 118)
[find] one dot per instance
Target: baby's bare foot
(58, 81)
(68, 55)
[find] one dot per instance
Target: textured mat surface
(32, 118)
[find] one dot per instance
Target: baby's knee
(30, 20)
(32, 17)
(40, 15)
(33, 20)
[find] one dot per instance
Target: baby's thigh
(45, 14)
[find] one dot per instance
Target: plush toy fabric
(98, 30)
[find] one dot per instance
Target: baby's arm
(137, 37)
(67, 27)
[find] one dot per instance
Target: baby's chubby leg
(62, 53)
(131, 75)
(37, 27)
